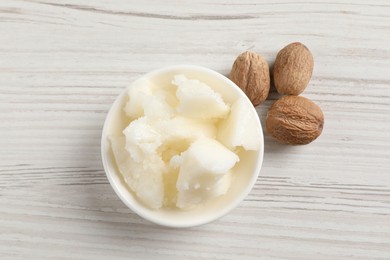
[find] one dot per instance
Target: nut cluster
(292, 119)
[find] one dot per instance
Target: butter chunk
(159, 106)
(186, 128)
(198, 100)
(138, 93)
(145, 178)
(193, 197)
(142, 139)
(202, 167)
(146, 98)
(240, 128)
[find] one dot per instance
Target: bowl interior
(244, 174)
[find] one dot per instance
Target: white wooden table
(63, 62)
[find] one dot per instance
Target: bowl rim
(150, 217)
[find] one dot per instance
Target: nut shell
(294, 120)
(250, 72)
(293, 69)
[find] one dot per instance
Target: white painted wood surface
(62, 63)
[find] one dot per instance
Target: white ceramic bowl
(245, 175)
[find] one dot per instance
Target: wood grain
(63, 62)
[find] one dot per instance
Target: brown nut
(293, 69)
(250, 72)
(294, 120)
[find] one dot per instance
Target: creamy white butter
(181, 144)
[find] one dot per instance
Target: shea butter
(182, 143)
